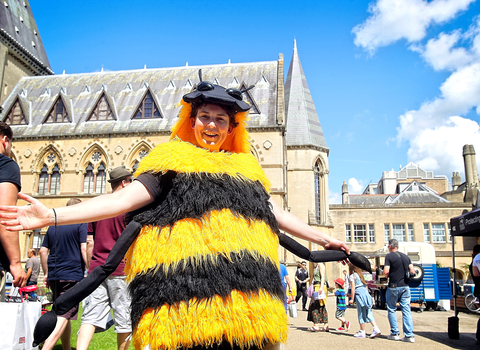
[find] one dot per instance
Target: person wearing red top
(112, 293)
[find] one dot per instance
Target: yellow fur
(242, 319)
(222, 233)
(183, 157)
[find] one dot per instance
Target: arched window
(89, 179)
(43, 180)
(49, 183)
(316, 173)
(101, 179)
(94, 181)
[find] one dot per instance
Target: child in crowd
(364, 302)
(341, 306)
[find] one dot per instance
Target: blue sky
(393, 81)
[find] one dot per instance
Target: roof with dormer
(19, 31)
(124, 92)
(303, 125)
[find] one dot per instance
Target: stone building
(71, 129)
(411, 205)
(21, 49)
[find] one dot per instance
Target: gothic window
(16, 116)
(95, 179)
(102, 110)
(49, 183)
(43, 180)
(101, 179)
(147, 108)
(89, 180)
(316, 174)
(137, 155)
(58, 113)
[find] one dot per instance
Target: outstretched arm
(293, 225)
(36, 215)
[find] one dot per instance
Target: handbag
(292, 307)
(310, 291)
(17, 323)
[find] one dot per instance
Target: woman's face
(211, 126)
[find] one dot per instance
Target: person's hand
(19, 275)
(27, 217)
(350, 301)
(45, 282)
(335, 244)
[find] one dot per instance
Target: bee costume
(202, 259)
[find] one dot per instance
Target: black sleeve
(151, 183)
(10, 172)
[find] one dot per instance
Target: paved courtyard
(430, 328)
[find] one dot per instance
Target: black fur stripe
(203, 279)
(194, 195)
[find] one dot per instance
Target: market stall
(465, 225)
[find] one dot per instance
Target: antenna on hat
(200, 74)
(249, 88)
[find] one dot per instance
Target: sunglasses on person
(128, 180)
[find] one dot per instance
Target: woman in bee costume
(202, 248)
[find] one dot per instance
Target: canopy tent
(466, 225)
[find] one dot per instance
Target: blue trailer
(430, 284)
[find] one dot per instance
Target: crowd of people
(352, 290)
(170, 265)
(206, 247)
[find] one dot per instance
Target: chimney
(471, 174)
(345, 193)
(456, 181)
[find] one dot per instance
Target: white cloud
(441, 54)
(459, 94)
(393, 20)
(334, 197)
(355, 186)
(440, 149)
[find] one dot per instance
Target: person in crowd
(285, 282)
(363, 301)
(64, 256)
(341, 306)
(317, 311)
(112, 294)
(32, 270)
(396, 266)
(10, 185)
(206, 218)
(301, 278)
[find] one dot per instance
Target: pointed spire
(303, 125)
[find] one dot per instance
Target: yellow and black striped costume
(204, 269)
